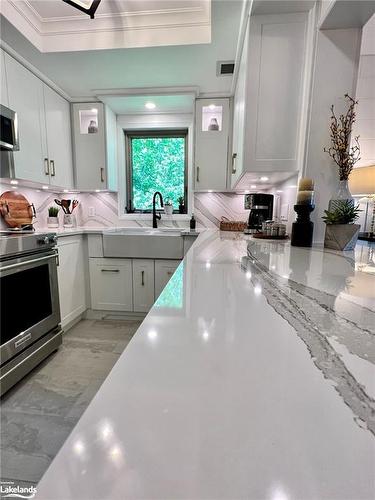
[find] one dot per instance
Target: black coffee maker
(261, 209)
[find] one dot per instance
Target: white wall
(365, 124)
(335, 74)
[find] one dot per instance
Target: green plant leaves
(345, 212)
(158, 165)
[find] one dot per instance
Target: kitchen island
(251, 377)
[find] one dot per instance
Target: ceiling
(54, 26)
(86, 74)
(135, 105)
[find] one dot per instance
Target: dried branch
(343, 154)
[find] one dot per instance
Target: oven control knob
(44, 240)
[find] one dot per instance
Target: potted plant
(341, 232)
(52, 219)
(341, 151)
(181, 205)
(168, 207)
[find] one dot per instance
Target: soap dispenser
(192, 223)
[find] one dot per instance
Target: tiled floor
(38, 414)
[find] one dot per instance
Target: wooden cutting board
(15, 209)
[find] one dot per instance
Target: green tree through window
(157, 164)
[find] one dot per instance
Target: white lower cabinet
(128, 285)
(71, 278)
(164, 270)
(111, 284)
(143, 284)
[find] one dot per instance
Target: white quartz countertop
(252, 377)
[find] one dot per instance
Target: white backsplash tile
(209, 208)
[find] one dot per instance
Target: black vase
(303, 228)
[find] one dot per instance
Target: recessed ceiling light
(212, 107)
(94, 110)
(14, 182)
(44, 187)
(150, 105)
(253, 186)
(264, 178)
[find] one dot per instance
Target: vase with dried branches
(343, 151)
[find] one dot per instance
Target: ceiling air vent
(224, 68)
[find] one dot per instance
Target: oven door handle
(27, 262)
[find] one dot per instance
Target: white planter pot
(168, 209)
(52, 222)
(341, 236)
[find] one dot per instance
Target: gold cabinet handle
(46, 166)
(102, 174)
(197, 174)
(53, 172)
(234, 168)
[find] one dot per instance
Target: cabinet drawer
(111, 284)
(143, 284)
(164, 270)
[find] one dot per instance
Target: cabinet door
(211, 143)
(143, 284)
(4, 88)
(111, 284)
(72, 278)
(26, 98)
(89, 146)
(164, 270)
(239, 106)
(275, 88)
(59, 141)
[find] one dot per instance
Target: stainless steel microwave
(8, 130)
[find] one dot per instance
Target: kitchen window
(156, 161)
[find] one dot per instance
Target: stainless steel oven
(9, 140)
(30, 312)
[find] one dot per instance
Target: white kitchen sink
(143, 243)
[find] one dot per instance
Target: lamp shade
(362, 181)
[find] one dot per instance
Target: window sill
(138, 216)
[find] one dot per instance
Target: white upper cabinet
(45, 154)
(269, 93)
(94, 146)
(239, 122)
(4, 87)
(26, 98)
(59, 142)
(211, 143)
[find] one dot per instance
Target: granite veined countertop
(251, 377)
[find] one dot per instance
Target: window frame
(153, 133)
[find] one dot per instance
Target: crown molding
(147, 91)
